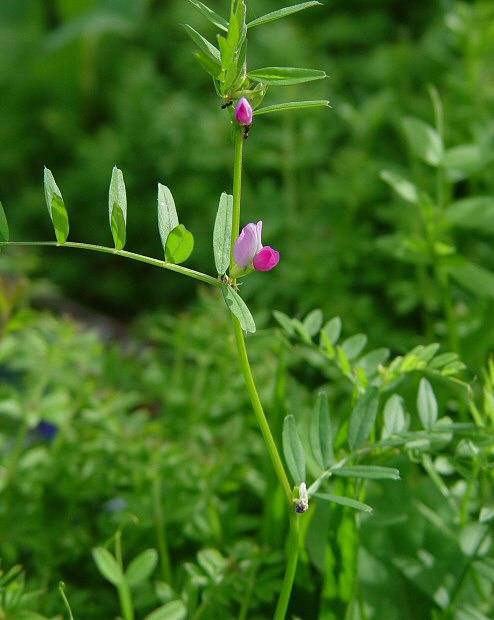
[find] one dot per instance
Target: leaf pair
(139, 569)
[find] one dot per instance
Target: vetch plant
(238, 253)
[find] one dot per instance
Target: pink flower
(243, 112)
(249, 252)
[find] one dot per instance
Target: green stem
(237, 189)
(274, 455)
(259, 413)
(197, 275)
(124, 594)
(291, 567)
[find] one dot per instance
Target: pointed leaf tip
(238, 308)
(117, 208)
(4, 225)
(56, 207)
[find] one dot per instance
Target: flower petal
(243, 111)
(246, 245)
(266, 259)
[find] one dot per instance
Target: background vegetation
(139, 412)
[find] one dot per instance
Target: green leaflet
(179, 245)
(167, 213)
(363, 417)
(280, 13)
(56, 207)
(117, 208)
(222, 233)
(370, 472)
(320, 433)
(293, 450)
(204, 45)
(175, 610)
(284, 76)
(213, 17)
(238, 308)
(344, 501)
(424, 141)
(292, 105)
(403, 187)
(426, 405)
(141, 567)
(108, 566)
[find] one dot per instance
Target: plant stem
(291, 567)
(197, 275)
(274, 455)
(124, 594)
(237, 189)
(259, 413)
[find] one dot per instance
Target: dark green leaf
(284, 76)
(56, 208)
(204, 45)
(117, 201)
(141, 567)
(426, 404)
(222, 234)
(207, 64)
(292, 105)
(167, 213)
(293, 450)
(238, 308)
(289, 10)
(320, 433)
(179, 245)
(363, 417)
(213, 17)
(4, 226)
(344, 501)
(108, 565)
(424, 141)
(371, 472)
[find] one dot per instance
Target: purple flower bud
(249, 252)
(266, 259)
(243, 111)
